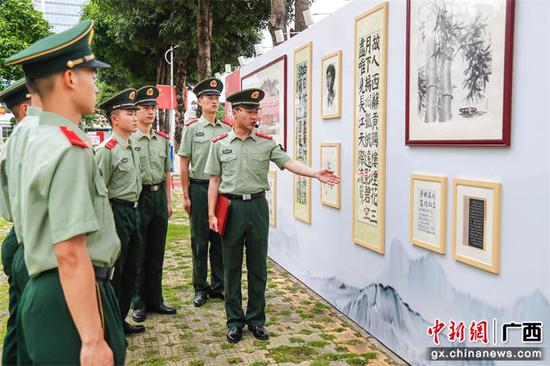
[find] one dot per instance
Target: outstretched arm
(324, 175)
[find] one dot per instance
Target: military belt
(124, 203)
(245, 197)
(102, 274)
(152, 187)
(199, 181)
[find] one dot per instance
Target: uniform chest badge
(199, 134)
(227, 151)
(124, 160)
(137, 148)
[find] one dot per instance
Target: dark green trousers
(128, 229)
(247, 227)
(9, 247)
(201, 236)
(21, 278)
(47, 327)
(154, 225)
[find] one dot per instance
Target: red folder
(222, 212)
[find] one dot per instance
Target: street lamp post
(172, 118)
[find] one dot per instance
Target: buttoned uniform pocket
(201, 145)
(160, 160)
(229, 164)
(259, 163)
(124, 167)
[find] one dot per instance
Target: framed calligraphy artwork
(302, 131)
(271, 78)
(271, 197)
(476, 223)
(330, 158)
(459, 72)
(369, 152)
(428, 208)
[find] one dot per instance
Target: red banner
(232, 85)
(163, 99)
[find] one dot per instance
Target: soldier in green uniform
(119, 164)
(18, 100)
(238, 163)
(68, 313)
(195, 144)
(153, 148)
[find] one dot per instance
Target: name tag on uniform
(199, 134)
(227, 151)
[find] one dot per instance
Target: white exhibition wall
(397, 296)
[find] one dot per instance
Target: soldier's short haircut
(42, 85)
(112, 113)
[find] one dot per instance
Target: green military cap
(210, 86)
(248, 98)
(125, 99)
(15, 94)
(58, 52)
(147, 95)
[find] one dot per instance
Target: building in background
(61, 14)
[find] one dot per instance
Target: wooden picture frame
(272, 79)
(302, 130)
(428, 212)
(331, 153)
(271, 197)
(369, 152)
(331, 103)
(478, 242)
(467, 99)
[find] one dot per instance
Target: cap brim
(217, 94)
(151, 103)
(94, 64)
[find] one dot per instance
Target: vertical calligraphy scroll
(302, 130)
(370, 128)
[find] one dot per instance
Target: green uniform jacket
(154, 155)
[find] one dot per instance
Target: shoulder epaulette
(191, 121)
(160, 133)
(223, 135)
(112, 143)
(227, 122)
(264, 136)
(73, 137)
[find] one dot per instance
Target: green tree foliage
(20, 25)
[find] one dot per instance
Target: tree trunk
(299, 7)
(278, 19)
(204, 37)
(431, 82)
(181, 83)
(445, 90)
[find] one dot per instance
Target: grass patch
(306, 331)
(291, 354)
(196, 363)
(296, 340)
(317, 344)
(234, 360)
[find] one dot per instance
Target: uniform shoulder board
(111, 143)
(227, 122)
(223, 135)
(73, 137)
(160, 133)
(191, 121)
(264, 136)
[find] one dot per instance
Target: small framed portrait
(476, 223)
(427, 216)
(330, 158)
(331, 85)
(271, 197)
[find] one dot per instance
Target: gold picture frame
(478, 243)
(331, 107)
(368, 223)
(302, 130)
(271, 197)
(331, 153)
(428, 212)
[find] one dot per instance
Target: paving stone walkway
(305, 330)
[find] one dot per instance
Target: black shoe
(200, 299)
(259, 332)
(163, 309)
(217, 295)
(133, 329)
(139, 315)
(234, 334)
